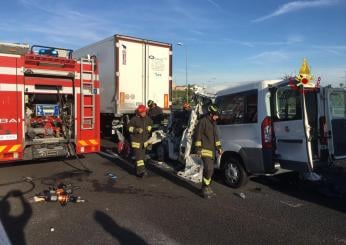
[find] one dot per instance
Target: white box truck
(132, 71)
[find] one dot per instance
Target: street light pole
(186, 83)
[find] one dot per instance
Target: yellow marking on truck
(14, 148)
(83, 143)
(2, 148)
(94, 142)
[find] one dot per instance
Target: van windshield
(338, 104)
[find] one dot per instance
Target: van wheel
(234, 173)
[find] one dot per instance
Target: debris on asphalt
(61, 193)
(241, 195)
(111, 175)
(38, 199)
(291, 204)
(52, 229)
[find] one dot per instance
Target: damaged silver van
(270, 125)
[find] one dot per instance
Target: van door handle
(287, 129)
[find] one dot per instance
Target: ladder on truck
(87, 94)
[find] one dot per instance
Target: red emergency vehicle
(49, 103)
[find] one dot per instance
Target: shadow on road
(330, 192)
(175, 179)
(128, 167)
(123, 235)
(14, 225)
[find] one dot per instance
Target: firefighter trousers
(208, 170)
(139, 162)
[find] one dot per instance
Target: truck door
(131, 74)
(293, 127)
(335, 112)
(157, 86)
(10, 108)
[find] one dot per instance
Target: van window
(238, 108)
(288, 104)
(338, 104)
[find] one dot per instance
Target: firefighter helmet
(141, 108)
(213, 110)
(150, 103)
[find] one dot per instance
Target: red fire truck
(49, 103)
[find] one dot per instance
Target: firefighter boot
(141, 171)
(207, 192)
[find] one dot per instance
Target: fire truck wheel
(234, 172)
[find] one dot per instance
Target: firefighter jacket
(140, 131)
(207, 139)
(156, 114)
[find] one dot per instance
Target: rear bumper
(257, 160)
(340, 163)
(88, 146)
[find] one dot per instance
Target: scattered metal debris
(291, 204)
(241, 195)
(111, 175)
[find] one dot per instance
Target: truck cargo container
(132, 71)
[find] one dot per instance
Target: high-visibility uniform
(140, 131)
(156, 114)
(207, 141)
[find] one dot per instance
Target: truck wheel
(234, 173)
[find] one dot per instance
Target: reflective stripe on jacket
(206, 137)
(137, 124)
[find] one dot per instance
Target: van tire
(234, 173)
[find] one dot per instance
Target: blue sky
(226, 40)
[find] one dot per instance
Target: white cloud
(339, 50)
(331, 75)
(296, 6)
(215, 4)
(269, 57)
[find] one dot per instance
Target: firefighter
(140, 130)
(186, 107)
(155, 113)
(207, 142)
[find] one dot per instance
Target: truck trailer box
(132, 71)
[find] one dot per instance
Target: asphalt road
(161, 209)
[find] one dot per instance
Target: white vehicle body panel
(132, 71)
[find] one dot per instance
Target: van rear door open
(335, 112)
(295, 127)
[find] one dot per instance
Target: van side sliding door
(335, 110)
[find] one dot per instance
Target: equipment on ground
(61, 193)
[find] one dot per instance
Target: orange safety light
(122, 97)
(165, 101)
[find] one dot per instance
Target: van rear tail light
(165, 99)
(267, 133)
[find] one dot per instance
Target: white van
(269, 124)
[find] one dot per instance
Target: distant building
(179, 88)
